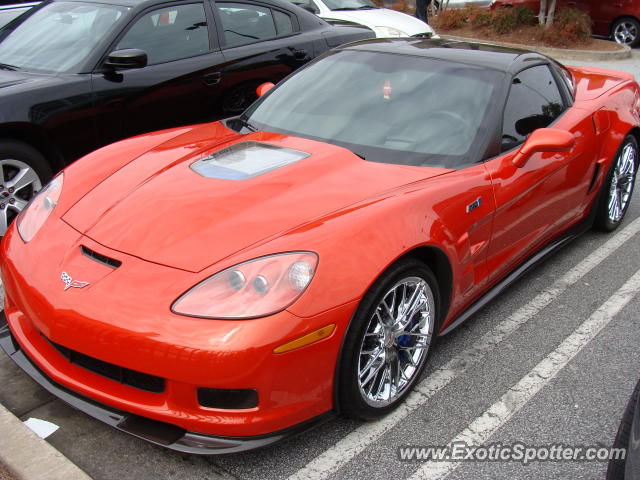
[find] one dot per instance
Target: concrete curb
(565, 53)
(28, 457)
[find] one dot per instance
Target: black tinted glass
(169, 33)
(534, 102)
(243, 23)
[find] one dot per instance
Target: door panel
(603, 13)
(550, 192)
(260, 44)
(178, 86)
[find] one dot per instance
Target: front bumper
(122, 321)
(159, 433)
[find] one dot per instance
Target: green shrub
(478, 17)
(452, 18)
(506, 20)
(525, 16)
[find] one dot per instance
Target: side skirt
(515, 275)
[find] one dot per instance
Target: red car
(618, 19)
(215, 288)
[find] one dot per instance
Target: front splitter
(160, 433)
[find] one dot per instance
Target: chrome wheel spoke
(4, 220)
(622, 182)
(26, 177)
(18, 184)
(372, 374)
(396, 340)
(19, 204)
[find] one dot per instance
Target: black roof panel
(481, 54)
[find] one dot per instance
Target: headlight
(39, 209)
(389, 32)
(252, 289)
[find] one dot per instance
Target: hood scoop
(246, 160)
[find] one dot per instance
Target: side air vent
(596, 171)
(98, 257)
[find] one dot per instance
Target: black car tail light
(227, 399)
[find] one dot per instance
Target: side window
(245, 23)
(283, 23)
(169, 33)
(534, 102)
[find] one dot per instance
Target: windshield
(349, 4)
(386, 107)
(59, 36)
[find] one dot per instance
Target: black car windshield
(387, 108)
(349, 4)
(59, 36)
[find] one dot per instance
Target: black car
(10, 11)
(77, 75)
(628, 438)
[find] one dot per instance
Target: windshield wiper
(6, 66)
(367, 7)
(243, 122)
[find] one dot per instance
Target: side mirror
(544, 140)
(126, 59)
(264, 88)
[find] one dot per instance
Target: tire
(23, 172)
(617, 189)
(239, 98)
(374, 351)
(626, 31)
(616, 467)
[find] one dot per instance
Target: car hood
(382, 17)
(187, 205)
(10, 78)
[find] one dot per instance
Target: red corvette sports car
(215, 288)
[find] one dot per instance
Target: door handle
(212, 78)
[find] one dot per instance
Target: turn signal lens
(252, 289)
(39, 208)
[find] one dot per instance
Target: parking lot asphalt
(551, 361)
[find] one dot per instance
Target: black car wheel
(618, 187)
(23, 172)
(616, 468)
(238, 99)
(626, 31)
(389, 340)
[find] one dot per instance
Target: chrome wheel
(622, 182)
(626, 32)
(396, 341)
(18, 184)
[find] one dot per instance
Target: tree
(545, 16)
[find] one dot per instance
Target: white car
(383, 21)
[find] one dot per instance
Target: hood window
(246, 160)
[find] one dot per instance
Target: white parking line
(481, 429)
(332, 459)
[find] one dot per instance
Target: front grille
(98, 257)
(142, 381)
